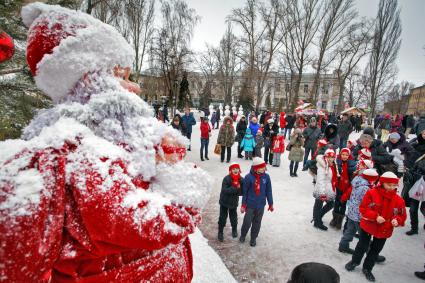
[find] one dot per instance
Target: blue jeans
(307, 153)
(288, 131)
(351, 228)
(204, 145)
(342, 142)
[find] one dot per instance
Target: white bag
(418, 189)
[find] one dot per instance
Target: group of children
(370, 202)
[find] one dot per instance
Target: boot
(242, 239)
(234, 232)
(346, 250)
(368, 274)
(320, 226)
(220, 233)
(206, 157)
(333, 221)
(253, 243)
(412, 232)
(420, 275)
(380, 259)
(350, 266)
(339, 219)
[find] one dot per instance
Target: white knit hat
(270, 121)
(389, 177)
(366, 162)
(370, 172)
(330, 153)
(257, 161)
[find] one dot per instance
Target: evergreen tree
(245, 97)
(184, 94)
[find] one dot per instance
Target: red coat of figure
(282, 120)
(96, 190)
(205, 130)
(279, 144)
(387, 204)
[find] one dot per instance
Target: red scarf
(334, 177)
(345, 180)
(235, 180)
(257, 182)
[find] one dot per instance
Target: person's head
(270, 122)
(369, 131)
(364, 164)
(389, 181)
(205, 119)
(176, 121)
(313, 122)
(351, 143)
(330, 155)
(365, 141)
(234, 169)
(370, 175)
(259, 133)
(254, 120)
(423, 134)
(394, 137)
(186, 110)
(314, 272)
(243, 118)
(228, 121)
(345, 154)
(258, 165)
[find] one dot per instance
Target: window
(305, 88)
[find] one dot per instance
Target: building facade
(416, 103)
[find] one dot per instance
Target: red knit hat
(366, 163)
(330, 153)
(389, 177)
(63, 45)
(365, 153)
(258, 163)
(371, 175)
(346, 150)
(234, 165)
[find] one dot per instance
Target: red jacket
(282, 120)
(278, 144)
(80, 231)
(387, 204)
(205, 130)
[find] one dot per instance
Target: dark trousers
(204, 147)
(229, 153)
(307, 153)
(252, 219)
(268, 154)
(233, 216)
(239, 149)
(362, 247)
(257, 152)
(218, 124)
(248, 155)
(342, 142)
(288, 132)
(189, 136)
(351, 228)
(319, 210)
(293, 166)
(339, 206)
(413, 211)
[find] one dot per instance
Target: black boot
(412, 232)
(420, 275)
(320, 226)
(380, 259)
(346, 250)
(333, 221)
(234, 232)
(242, 239)
(206, 157)
(350, 266)
(368, 274)
(339, 219)
(253, 243)
(220, 233)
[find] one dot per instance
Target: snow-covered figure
(227, 111)
(234, 114)
(96, 191)
(220, 108)
(211, 107)
(240, 112)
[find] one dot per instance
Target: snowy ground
(287, 238)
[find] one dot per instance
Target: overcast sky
(411, 59)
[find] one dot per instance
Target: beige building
(416, 104)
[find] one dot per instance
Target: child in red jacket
(381, 210)
(278, 149)
(205, 137)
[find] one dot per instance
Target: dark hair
(314, 272)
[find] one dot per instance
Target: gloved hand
(243, 208)
(396, 152)
(271, 209)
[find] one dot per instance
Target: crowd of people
(355, 179)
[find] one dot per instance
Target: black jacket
(240, 130)
(270, 133)
(311, 136)
(379, 155)
(229, 196)
(405, 148)
(290, 121)
(332, 138)
(344, 129)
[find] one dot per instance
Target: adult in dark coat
(188, 121)
(240, 133)
(410, 123)
(398, 141)
(416, 170)
(270, 132)
(331, 135)
(311, 135)
(345, 127)
(231, 189)
(420, 125)
(217, 118)
(290, 122)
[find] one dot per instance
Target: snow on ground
(287, 238)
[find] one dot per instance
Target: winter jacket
(240, 130)
(379, 155)
(205, 130)
(248, 142)
(254, 128)
(250, 198)
(323, 188)
(344, 129)
(269, 134)
(406, 149)
(379, 202)
(181, 127)
(297, 152)
(279, 144)
(332, 138)
(259, 141)
(419, 126)
(396, 126)
(226, 135)
(290, 121)
(416, 168)
(386, 124)
(360, 187)
(282, 120)
(229, 195)
(311, 135)
(188, 122)
(351, 166)
(410, 122)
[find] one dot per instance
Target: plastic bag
(418, 189)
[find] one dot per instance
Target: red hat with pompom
(63, 45)
(233, 166)
(389, 177)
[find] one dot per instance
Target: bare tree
(171, 43)
(228, 63)
(399, 90)
(300, 25)
(140, 17)
(208, 65)
(349, 53)
(386, 44)
(334, 27)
